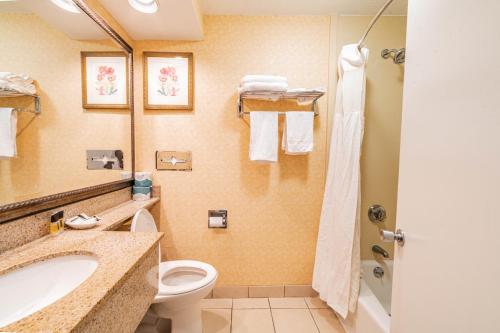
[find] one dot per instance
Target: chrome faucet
(380, 250)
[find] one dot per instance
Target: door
(447, 275)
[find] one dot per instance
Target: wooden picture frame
(105, 80)
(168, 80)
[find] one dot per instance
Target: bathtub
(374, 304)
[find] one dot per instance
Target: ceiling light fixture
(144, 6)
(67, 5)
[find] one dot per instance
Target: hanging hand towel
(264, 136)
(8, 131)
(337, 265)
(298, 138)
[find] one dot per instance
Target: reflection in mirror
(79, 134)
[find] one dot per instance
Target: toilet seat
(182, 284)
(183, 276)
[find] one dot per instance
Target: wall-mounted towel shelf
(6, 93)
(310, 96)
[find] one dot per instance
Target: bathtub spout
(380, 250)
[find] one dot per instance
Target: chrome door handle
(389, 236)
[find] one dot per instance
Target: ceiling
(183, 19)
(76, 26)
(174, 20)
(300, 7)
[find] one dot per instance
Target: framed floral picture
(168, 81)
(105, 80)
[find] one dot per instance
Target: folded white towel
(8, 131)
(306, 90)
(306, 100)
(298, 137)
(264, 136)
(263, 86)
(21, 83)
(13, 77)
(262, 78)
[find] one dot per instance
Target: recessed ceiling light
(67, 5)
(144, 6)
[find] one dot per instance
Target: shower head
(398, 56)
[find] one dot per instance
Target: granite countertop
(114, 217)
(118, 254)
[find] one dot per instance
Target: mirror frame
(20, 209)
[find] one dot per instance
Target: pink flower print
(103, 86)
(168, 81)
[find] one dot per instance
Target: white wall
(447, 275)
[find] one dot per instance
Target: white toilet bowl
(182, 284)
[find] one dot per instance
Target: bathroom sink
(30, 288)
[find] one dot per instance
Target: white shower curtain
(337, 265)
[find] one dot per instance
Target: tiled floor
(268, 315)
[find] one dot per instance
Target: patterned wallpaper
(273, 209)
(52, 147)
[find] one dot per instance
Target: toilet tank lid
(143, 221)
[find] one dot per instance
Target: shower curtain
(337, 265)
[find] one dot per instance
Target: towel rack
(265, 95)
(11, 93)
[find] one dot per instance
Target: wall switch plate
(217, 218)
(174, 160)
(104, 159)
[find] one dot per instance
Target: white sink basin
(29, 289)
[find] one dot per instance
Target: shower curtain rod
(372, 23)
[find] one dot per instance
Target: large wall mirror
(67, 135)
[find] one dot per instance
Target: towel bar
(10, 93)
(261, 95)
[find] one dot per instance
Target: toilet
(182, 284)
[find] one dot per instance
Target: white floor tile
(216, 320)
(216, 303)
(252, 321)
(315, 303)
(250, 303)
(288, 303)
(293, 321)
(327, 321)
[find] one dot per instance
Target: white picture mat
(154, 65)
(119, 64)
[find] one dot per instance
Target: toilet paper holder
(217, 218)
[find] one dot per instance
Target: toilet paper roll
(216, 222)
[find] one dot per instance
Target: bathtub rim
(369, 305)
